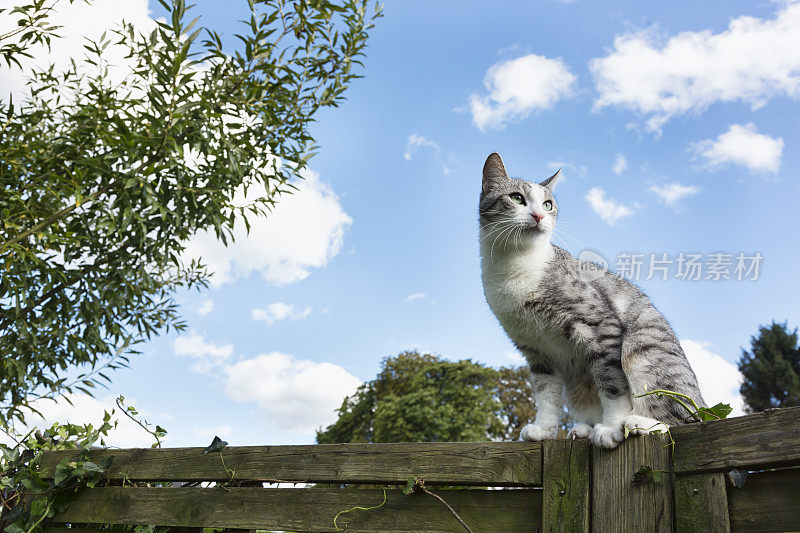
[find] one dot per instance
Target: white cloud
(719, 379)
(304, 231)
(672, 193)
(280, 311)
(208, 432)
(78, 20)
(415, 296)
(207, 354)
(293, 394)
(87, 410)
(518, 87)
(415, 141)
(568, 169)
(607, 208)
(752, 61)
(515, 358)
(206, 307)
(742, 145)
(620, 164)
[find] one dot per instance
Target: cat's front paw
(580, 431)
(535, 433)
(607, 436)
(642, 425)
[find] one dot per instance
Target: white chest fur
(509, 280)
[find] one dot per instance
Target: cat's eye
(517, 198)
(547, 205)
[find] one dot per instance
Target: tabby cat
(592, 339)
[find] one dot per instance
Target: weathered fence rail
(552, 486)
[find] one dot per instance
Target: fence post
(701, 503)
(566, 481)
(622, 501)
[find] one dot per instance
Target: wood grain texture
(701, 503)
(566, 484)
(447, 463)
(769, 501)
(619, 504)
(511, 510)
(764, 439)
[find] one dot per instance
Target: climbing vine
(27, 498)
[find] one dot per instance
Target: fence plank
(566, 480)
(701, 503)
(621, 505)
(70, 530)
(764, 439)
(511, 510)
(446, 463)
(769, 501)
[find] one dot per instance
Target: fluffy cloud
(415, 296)
(292, 394)
(752, 61)
(304, 231)
(415, 141)
(84, 410)
(719, 379)
(742, 145)
(206, 432)
(518, 87)
(568, 169)
(672, 193)
(607, 208)
(620, 164)
(206, 353)
(79, 20)
(206, 307)
(280, 311)
(515, 357)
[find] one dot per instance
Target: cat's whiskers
(509, 228)
(562, 241)
(501, 224)
(497, 232)
(566, 233)
(512, 232)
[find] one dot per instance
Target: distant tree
(105, 173)
(771, 369)
(424, 398)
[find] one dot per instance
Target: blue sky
(675, 125)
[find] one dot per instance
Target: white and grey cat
(593, 342)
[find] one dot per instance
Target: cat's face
(522, 209)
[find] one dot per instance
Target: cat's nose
(537, 216)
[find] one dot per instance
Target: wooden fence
(558, 485)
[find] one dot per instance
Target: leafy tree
(106, 171)
(771, 369)
(421, 397)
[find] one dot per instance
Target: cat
(590, 337)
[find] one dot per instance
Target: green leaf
(15, 528)
(410, 485)
(217, 445)
(89, 466)
(717, 412)
(646, 474)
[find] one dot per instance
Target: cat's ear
(551, 182)
(494, 172)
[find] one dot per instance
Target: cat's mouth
(535, 227)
